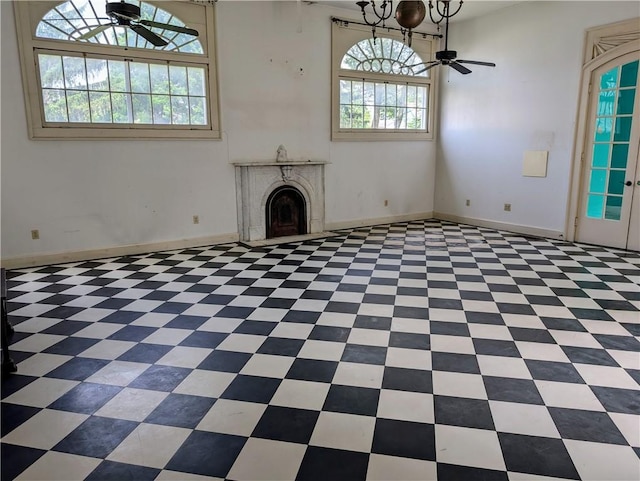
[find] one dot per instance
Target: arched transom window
(97, 78)
(75, 18)
(384, 55)
(381, 89)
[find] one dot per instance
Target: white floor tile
(458, 385)
(406, 406)
(343, 431)
(386, 468)
(301, 394)
(525, 419)
(46, 429)
(205, 383)
(118, 373)
(150, 445)
(268, 366)
(132, 404)
(267, 460)
(597, 462)
(41, 392)
(478, 448)
(54, 466)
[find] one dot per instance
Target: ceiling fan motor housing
(123, 11)
(446, 55)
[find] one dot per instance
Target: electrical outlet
(468, 203)
(196, 219)
(386, 202)
(35, 234)
(507, 207)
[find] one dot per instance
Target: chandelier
(409, 14)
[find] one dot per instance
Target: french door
(609, 211)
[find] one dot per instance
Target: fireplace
(277, 199)
(286, 213)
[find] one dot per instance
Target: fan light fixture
(408, 14)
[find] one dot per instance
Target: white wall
(97, 195)
(528, 102)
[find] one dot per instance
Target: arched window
(381, 88)
(96, 78)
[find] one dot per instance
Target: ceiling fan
(450, 57)
(128, 15)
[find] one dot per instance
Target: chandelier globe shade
(410, 14)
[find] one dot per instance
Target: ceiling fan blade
(149, 35)
(92, 33)
(428, 66)
(168, 26)
(475, 62)
(460, 68)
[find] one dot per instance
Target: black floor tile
(496, 347)
(413, 380)
(352, 400)
(132, 333)
(286, 424)
(452, 472)
(145, 353)
(322, 464)
(15, 459)
(71, 346)
(13, 415)
(204, 339)
(78, 368)
(588, 355)
(445, 361)
(186, 322)
(258, 328)
(281, 347)
(66, 328)
(553, 371)
(405, 439)
(330, 333)
(537, 456)
(409, 340)
(180, 410)
(621, 343)
(85, 398)
(512, 390)
(531, 335)
(303, 317)
(468, 413)
(96, 437)
(122, 317)
(618, 400)
(252, 389)
(591, 426)
(312, 370)
(364, 354)
(160, 378)
(449, 328)
(207, 454)
(484, 318)
(110, 470)
(225, 361)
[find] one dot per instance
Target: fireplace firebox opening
(286, 213)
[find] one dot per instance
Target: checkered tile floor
(423, 351)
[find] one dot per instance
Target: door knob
(628, 183)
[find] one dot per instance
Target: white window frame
(199, 16)
(343, 37)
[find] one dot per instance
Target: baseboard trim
(132, 249)
(505, 226)
(350, 224)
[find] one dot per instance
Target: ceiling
(470, 8)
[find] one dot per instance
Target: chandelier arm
(457, 10)
(385, 15)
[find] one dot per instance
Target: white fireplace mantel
(256, 180)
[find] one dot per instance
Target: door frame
(602, 45)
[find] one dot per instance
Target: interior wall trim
(505, 226)
(350, 224)
(126, 250)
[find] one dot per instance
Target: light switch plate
(534, 163)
